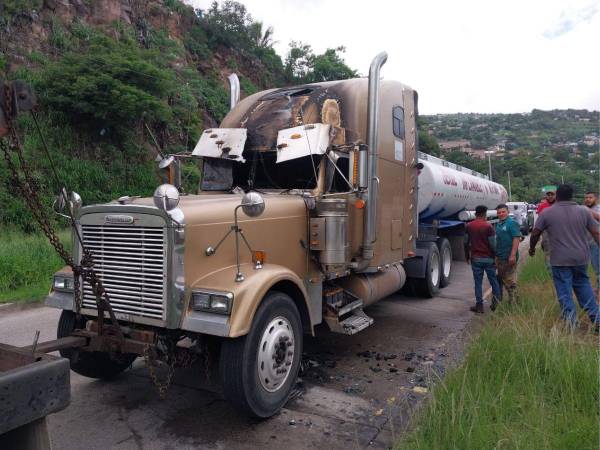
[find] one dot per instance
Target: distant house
(459, 144)
(560, 163)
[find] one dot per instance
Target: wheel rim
(435, 269)
(446, 262)
(276, 354)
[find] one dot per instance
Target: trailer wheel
(445, 261)
(90, 364)
(430, 285)
(259, 370)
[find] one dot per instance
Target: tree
(303, 66)
(259, 38)
(108, 88)
(330, 66)
(299, 61)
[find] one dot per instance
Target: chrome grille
(130, 261)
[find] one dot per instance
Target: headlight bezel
(63, 283)
(201, 300)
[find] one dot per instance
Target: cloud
(570, 19)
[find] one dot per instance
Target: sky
(460, 55)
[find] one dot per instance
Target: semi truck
(313, 204)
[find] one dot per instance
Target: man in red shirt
(547, 203)
(480, 249)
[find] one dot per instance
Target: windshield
(260, 171)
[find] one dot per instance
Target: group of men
(571, 239)
(491, 249)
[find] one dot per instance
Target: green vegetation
(100, 86)
(526, 382)
(538, 148)
(303, 66)
(13, 7)
(27, 263)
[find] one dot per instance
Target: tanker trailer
(444, 191)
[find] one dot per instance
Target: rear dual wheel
(438, 267)
(445, 249)
(430, 285)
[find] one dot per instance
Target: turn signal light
(359, 203)
(259, 256)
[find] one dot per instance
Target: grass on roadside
(526, 381)
(27, 263)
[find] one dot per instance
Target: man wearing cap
(550, 192)
(544, 204)
(569, 226)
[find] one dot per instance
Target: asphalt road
(355, 391)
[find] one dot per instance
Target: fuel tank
(446, 189)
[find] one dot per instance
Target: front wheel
(260, 369)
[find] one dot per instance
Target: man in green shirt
(508, 237)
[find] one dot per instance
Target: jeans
(595, 252)
(574, 278)
(479, 266)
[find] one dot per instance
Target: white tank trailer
(447, 196)
(446, 189)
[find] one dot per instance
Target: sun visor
(224, 143)
(302, 141)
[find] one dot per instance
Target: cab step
(343, 312)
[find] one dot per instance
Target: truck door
(404, 220)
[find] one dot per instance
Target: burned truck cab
(306, 211)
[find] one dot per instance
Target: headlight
(215, 302)
(63, 283)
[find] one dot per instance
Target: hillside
(106, 70)
(537, 148)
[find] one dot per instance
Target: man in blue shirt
(508, 236)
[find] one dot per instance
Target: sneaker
(495, 303)
(478, 308)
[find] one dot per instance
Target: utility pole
(489, 154)
(509, 190)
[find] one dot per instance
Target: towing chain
(151, 363)
(27, 186)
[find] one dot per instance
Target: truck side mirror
(60, 206)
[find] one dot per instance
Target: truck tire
(430, 285)
(259, 370)
(90, 364)
(445, 261)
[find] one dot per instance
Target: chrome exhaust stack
(370, 216)
(234, 90)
